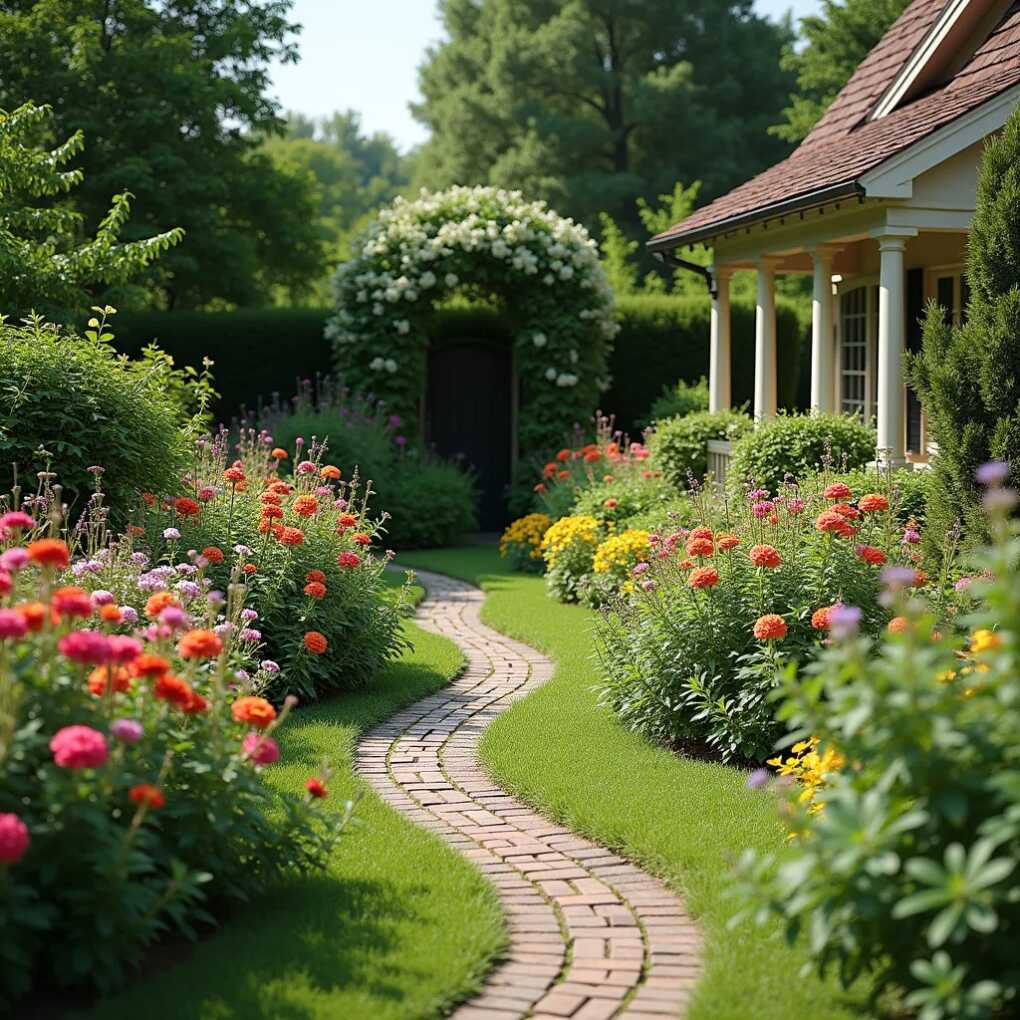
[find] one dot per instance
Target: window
(854, 391)
(949, 288)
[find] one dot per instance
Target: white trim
(894, 178)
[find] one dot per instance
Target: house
(875, 204)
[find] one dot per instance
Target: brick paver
(592, 937)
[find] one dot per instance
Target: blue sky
(364, 54)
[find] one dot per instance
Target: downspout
(669, 259)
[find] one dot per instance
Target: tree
(834, 44)
(968, 378)
(171, 95)
(44, 264)
(593, 103)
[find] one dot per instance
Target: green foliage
(85, 406)
(430, 502)
(800, 445)
(906, 488)
(680, 399)
(834, 44)
(617, 250)
(680, 445)
(173, 98)
(44, 265)
(630, 498)
(968, 378)
(590, 105)
(910, 871)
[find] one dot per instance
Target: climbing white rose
(550, 374)
(566, 379)
(427, 280)
(376, 364)
(451, 280)
(403, 326)
(390, 365)
(539, 340)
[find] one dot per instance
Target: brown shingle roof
(843, 145)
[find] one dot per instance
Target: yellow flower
(568, 532)
(985, 640)
(527, 531)
(622, 552)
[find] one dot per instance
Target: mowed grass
(687, 821)
(399, 926)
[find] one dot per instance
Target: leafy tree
(44, 264)
(835, 42)
(172, 97)
(968, 377)
(593, 103)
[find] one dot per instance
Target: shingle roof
(843, 145)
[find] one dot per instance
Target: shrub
(84, 406)
(130, 790)
(307, 546)
(680, 445)
(569, 550)
(617, 502)
(614, 561)
(800, 445)
(906, 488)
(678, 400)
(692, 657)
(907, 865)
(521, 543)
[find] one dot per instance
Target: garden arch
(478, 246)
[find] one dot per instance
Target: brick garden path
(591, 935)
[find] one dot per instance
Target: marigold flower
(279, 453)
(79, 747)
(703, 577)
(173, 689)
(14, 838)
(315, 788)
(200, 644)
(315, 589)
(770, 627)
(872, 502)
(147, 795)
(155, 604)
(234, 475)
(330, 472)
(700, 547)
(315, 575)
(837, 490)
(315, 642)
(49, 552)
(291, 536)
(765, 556)
(985, 640)
(305, 505)
(348, 559)
(71, 602)
(871, 554)
(150, 665)
(186, 507)
(34, 613)
(253, 711)
(213, 553)
(100, 677)
(897, 625)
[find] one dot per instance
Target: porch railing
(719, 451)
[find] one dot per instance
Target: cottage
(875, 204)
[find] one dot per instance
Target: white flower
(428, 279)
(548, 279)
(566, 379)
(550, 374)
(411, 294)
(390, 365)
(573, 357)
(451, 280)
(392, 294)
(566, 272)
(378, 309)
(377, 364)
(539, 340)
(403, 326)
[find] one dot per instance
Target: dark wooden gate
(469, 412)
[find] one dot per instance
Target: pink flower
(124, 649)
(6, 584)
(173, 617)
(261, 750)
(102, 598)
(86, 647)
(795, 506)
(762, 509)
(14, 838)
(127, 731)
(13, 559)
(79, 747)
(206, 493)
(306, 467)
(17, 519)
(12, 624)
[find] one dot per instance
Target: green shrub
(430, 502)
(76, 399)
(906, 488)
(680, 445)
(628, 497)
(568, 548)
(907, 864)
(680, 399)
(800, 445)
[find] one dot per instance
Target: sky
(364, 55)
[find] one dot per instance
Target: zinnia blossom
(200, 644)
(34, 613)
(253, 711)
(770, 627)
(213, 553)
(700, 546)
(79, 747)
(832, 522)
(315, 589)
(702, 532)
(234, 475)
(261, 750)
(186, 507)
(100, 677)
(147, 795)
(155, 604)
(291, 536)
(361, 538)
(316, 788)
(315, 575)
(348, 559)
(821, 618)
(150, 665)
(127, 731)
(838, 490)
(71, 602)
(315, 642)
(330, 472)
(14, 838)
(871, 554)
(703, 577)
(346, 521)
(872, 502)
(726, 541)
(610, 504)
(173, 689)
(765, 556)
(305, 505)
(86, 647)
(49, 552)
(897, 625)
(12, 624)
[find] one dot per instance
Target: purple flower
(895, 578)
(189, 589)
(323, 490)
(174, 616)
(216, 598)
(795, 505)
(186, 569)
(242, 675)
(249, 614)
(995, 472)
(758, 779)
(964, 583)
(251, 634)
(340, 504)
(270, 667)
(129, 613)
(395, 420)
(640, 568)
(139, 559)
(102, 597)
(242, 550)
(648, 585)
(910, 537)
(400, 440)
(224, 629)
(171, 533)
(127, 731)
(844, 621)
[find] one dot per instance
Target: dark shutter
(915, 313)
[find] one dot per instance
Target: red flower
(269, 497)
(249, 568)
(150, 665)
(173, 689)
(315, 575)
(49, 552)
(872, 502)
(315, 788)
(187, 507)
(847, 511)
(702, 532)
(871, 554)
(200, 644)
(234, 475)
(592, 456)
(348, 559)
(770, 627)
(703, 577)
(765, 556)
(148, 795)
(149, 498)
(611, 504)
(345, 521)
(195, 705)
(549, 471)
(271, 512)
(563, 455)
(563, 476)
(361, 539)
(213, 553)
(315, 642)
(315, 589)
(292, 536)
(838, 490)
(71, 602)
(305, 506)
(700, 546)
(86, 647)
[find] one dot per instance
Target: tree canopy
(172, 97)
(591, 104)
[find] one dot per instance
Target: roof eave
(808, 200)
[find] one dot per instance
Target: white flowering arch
(486, 244)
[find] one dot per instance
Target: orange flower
(871, 554)
(361, 539)
(291, 536)
(592, 456)
(549, 470)
(200, 644)
(255, 712)
(213, 553)
(838, 490)
(149, 498)
(173, 689)
(920, 579)
(563, 455)
(270, 497)
(111, 613)
(305, 506)
(346, 521)
(316, 589)
(71, 602)
(822, 618)
(187, 507)
(537, 488)
(249, 568)
(871, 502)
(234, 475)
(330, 472)
(765, 556)
(149, 665)
(725, 541)
(316, 575)
(703, 577)
(563, 476)
(686, 564)
(33, 613)
(49, 552)
(897, 625)
(279, 454)
(280, 488)
(845, 510)
(155, 604)
(270, 512)
(770, 627)
(195, 705)
(99, 680)
(315, 642)
(699, 546)
(702, 532)
(148, 795)
(830, 521)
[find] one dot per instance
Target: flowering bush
(692, 656)
(614, 563)
(680, 445)
(521, 543)
(131, 746)
(418, 253)
(569, 552)
(908, 866)
(305, 546)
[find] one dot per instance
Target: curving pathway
(591, 935)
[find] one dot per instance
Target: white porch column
(765, 342)
(891, 345)
(821, 332)
(719, 343)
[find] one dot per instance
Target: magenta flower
(123, 648)
(261, 750)
(13, 559)
(12, 624)
(79, 747)
(17, 519)
(127, 731)
(14, 838)
(86, 647)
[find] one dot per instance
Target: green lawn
(685, 820)
(400, 926)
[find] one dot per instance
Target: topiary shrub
(800, 445)
(680, 445)
(430, 502)
(86, 406)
